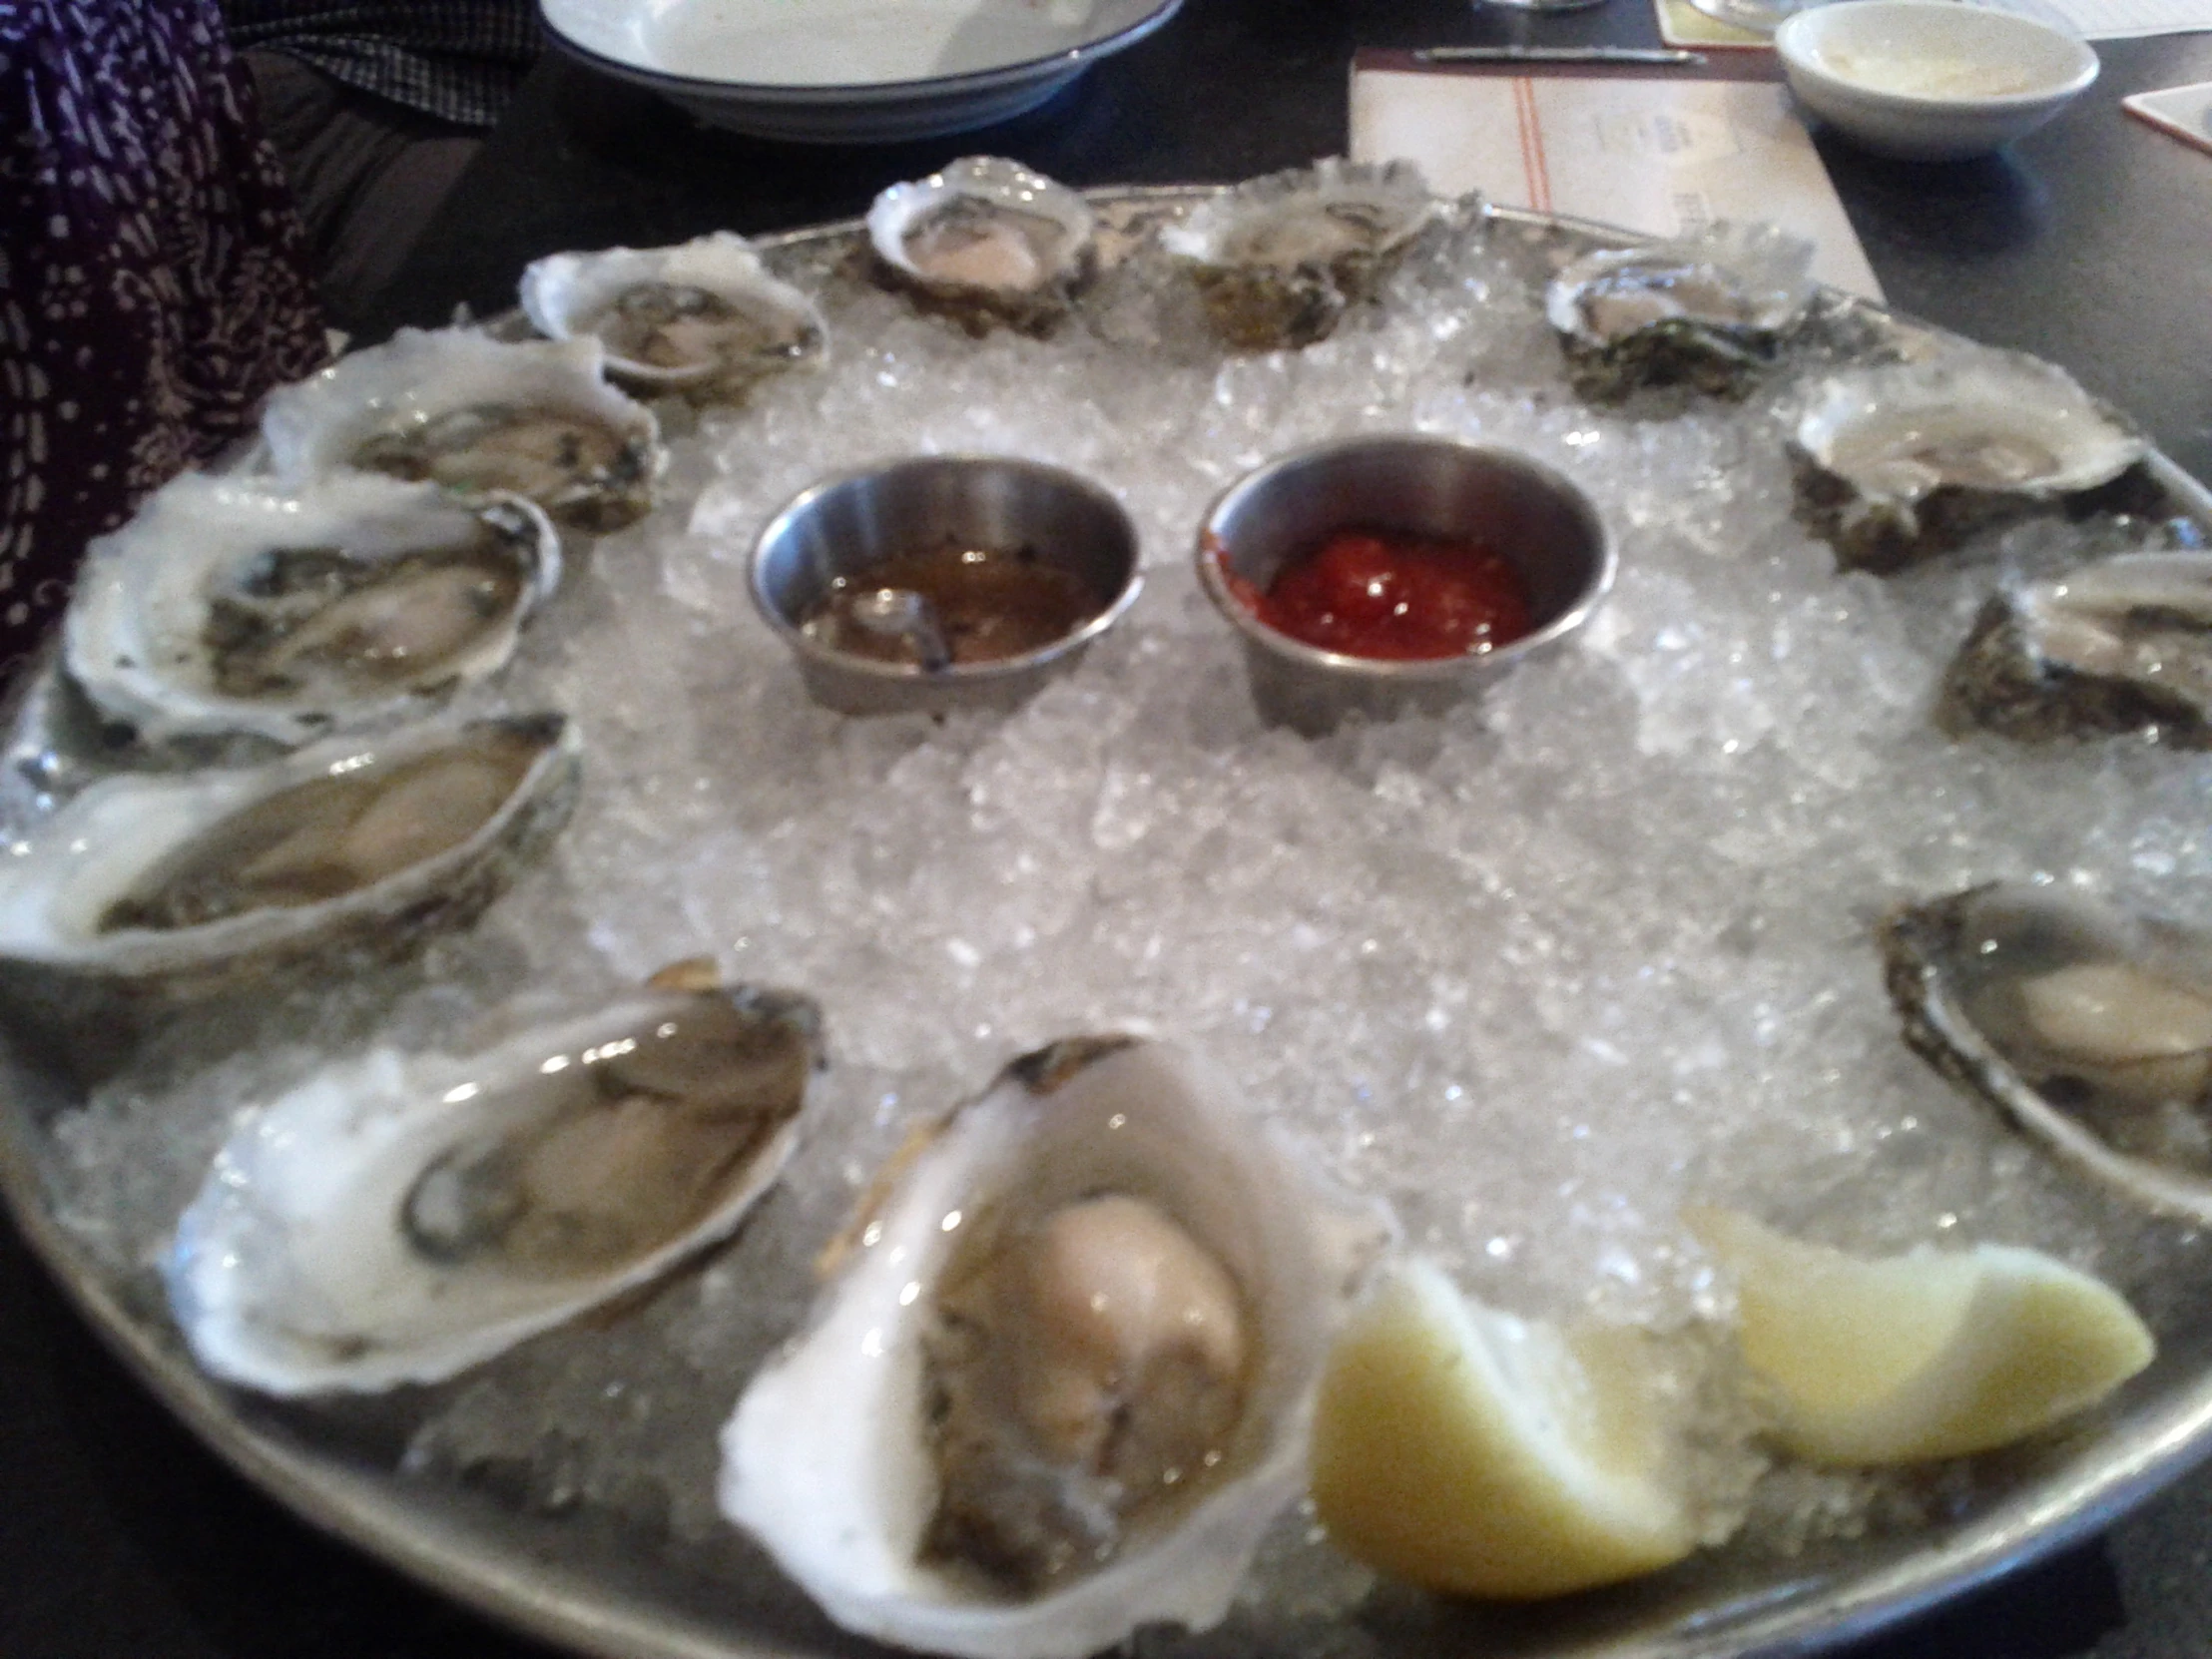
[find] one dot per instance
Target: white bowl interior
(837, 43)
(1937, 53)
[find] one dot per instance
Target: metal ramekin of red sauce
(1397, 573)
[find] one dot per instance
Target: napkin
(1663, 156)
(2185, 112)
(1682, 24)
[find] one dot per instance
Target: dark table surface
(2090, 243)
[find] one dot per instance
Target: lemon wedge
(1926, 1355)
(1476, 1453)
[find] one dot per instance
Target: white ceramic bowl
(850, 70)
(1931, 80)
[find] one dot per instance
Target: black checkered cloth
(457, 60)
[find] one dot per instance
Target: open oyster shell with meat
(1062, 1379)
(1901, 461)
(398, 1218)
(703, 319)
(1712, 310)
(986, 241)
(225, 607)
(2089, 1029)
(2119, 644)
(185, 884)
(1280, 259)
(476, 416)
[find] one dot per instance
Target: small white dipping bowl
(1931, 80)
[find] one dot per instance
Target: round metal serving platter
(579, 1579)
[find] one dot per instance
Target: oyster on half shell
(185, 884)
(1901, 461)
(986, 241)
(223, 607)
(476, 416)
(1711, 311)
(703, 318)
(1280, 259)
(399, 1218)
(1062, 1379)
(2089, 1029)
(2121, 644)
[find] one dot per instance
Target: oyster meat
(399, 1218)
(703, 319)
(1712, 310)
(190, 884)
(986, 241)
(1062, 1380)
(1905, 460)
(223, 607)
(2121, 644)
(1279, 259)
(2089, 1029)
(476, 416)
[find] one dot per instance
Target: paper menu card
(1665, 156)
(1682, 24)
(2113, 19)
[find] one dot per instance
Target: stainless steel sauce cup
(1424, 486)
(845, 526)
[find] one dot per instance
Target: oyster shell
(1711, 311)
(399, 1218)
(223, 607)
(2121, 644)
(985, 241)
(188, 885)
(1279, 258)
(2089, 1030)
(476, 416)
(1897, 462)
(1062, 1380)
(704, 317)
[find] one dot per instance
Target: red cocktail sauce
(1391, 595)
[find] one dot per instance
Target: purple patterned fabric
(154, 282)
